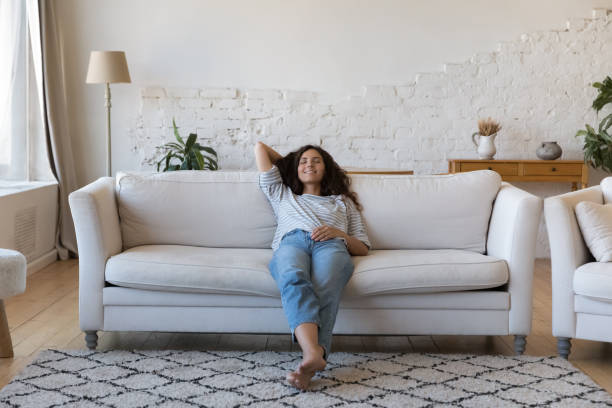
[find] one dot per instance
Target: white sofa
(581, 287)
(188, 252)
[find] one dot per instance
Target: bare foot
(311, 363)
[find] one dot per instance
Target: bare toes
(292, 378)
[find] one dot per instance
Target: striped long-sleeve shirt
(307, 211)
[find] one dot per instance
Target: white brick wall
(537, 86)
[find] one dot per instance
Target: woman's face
(311, 167)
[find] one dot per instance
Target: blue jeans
(311, 276)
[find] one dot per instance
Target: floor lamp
(107, 67)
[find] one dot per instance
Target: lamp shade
(107, 66)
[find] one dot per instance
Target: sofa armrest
(96, 222)
(567, 252)
(512, 237)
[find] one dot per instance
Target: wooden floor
(46, 316)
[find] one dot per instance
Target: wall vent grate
(25, 231)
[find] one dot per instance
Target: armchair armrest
(96, 222)
(512, 237)
(567, 252)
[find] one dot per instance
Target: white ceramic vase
(485, 145)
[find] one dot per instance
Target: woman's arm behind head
(265, 156)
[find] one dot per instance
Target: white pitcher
(485, 144)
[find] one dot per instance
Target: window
(22, 141)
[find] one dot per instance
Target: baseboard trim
(42, 261)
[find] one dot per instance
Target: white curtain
(48, 67)
(38, 162)
(11, 38)
(34, 27)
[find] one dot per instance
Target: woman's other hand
(325, 232)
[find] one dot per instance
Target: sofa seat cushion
(176, 268)
(594, 280)
(425, 271)
(593, 306)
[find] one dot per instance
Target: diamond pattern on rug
(311, 400)
(221, 399)
(175, 378)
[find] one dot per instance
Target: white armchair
(581, 287)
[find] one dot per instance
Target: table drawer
(504, 169)
(552, 169)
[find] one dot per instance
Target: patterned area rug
(173, 378)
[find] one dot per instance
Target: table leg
(6, 345)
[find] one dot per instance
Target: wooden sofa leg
(563, 346)
(91, 338)
(519, 344)
(6, 345)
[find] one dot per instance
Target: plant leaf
(167, 158)
(176, 133)
(605, 123)
(209, 150)
(190, 141)
(581, 133)
(604, 95)
(199, 158)
(211, 163)
(173, 145)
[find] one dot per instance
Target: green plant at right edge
(598, 143)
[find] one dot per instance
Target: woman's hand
(354, 246)
(325, 232)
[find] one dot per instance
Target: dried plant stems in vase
(488, 127)
(484, 139)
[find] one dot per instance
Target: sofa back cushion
(606, 189)
(428, 212)
(595, 221)
(223, 209)
(227, 209)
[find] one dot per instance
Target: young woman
(319, 227)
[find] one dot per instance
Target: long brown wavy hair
(335, 180)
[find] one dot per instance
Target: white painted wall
(333, 48)
(319, 45)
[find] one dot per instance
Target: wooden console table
(555, 171)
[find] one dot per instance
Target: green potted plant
(598, 143)
(189, 154)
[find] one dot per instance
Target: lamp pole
(107, 104)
